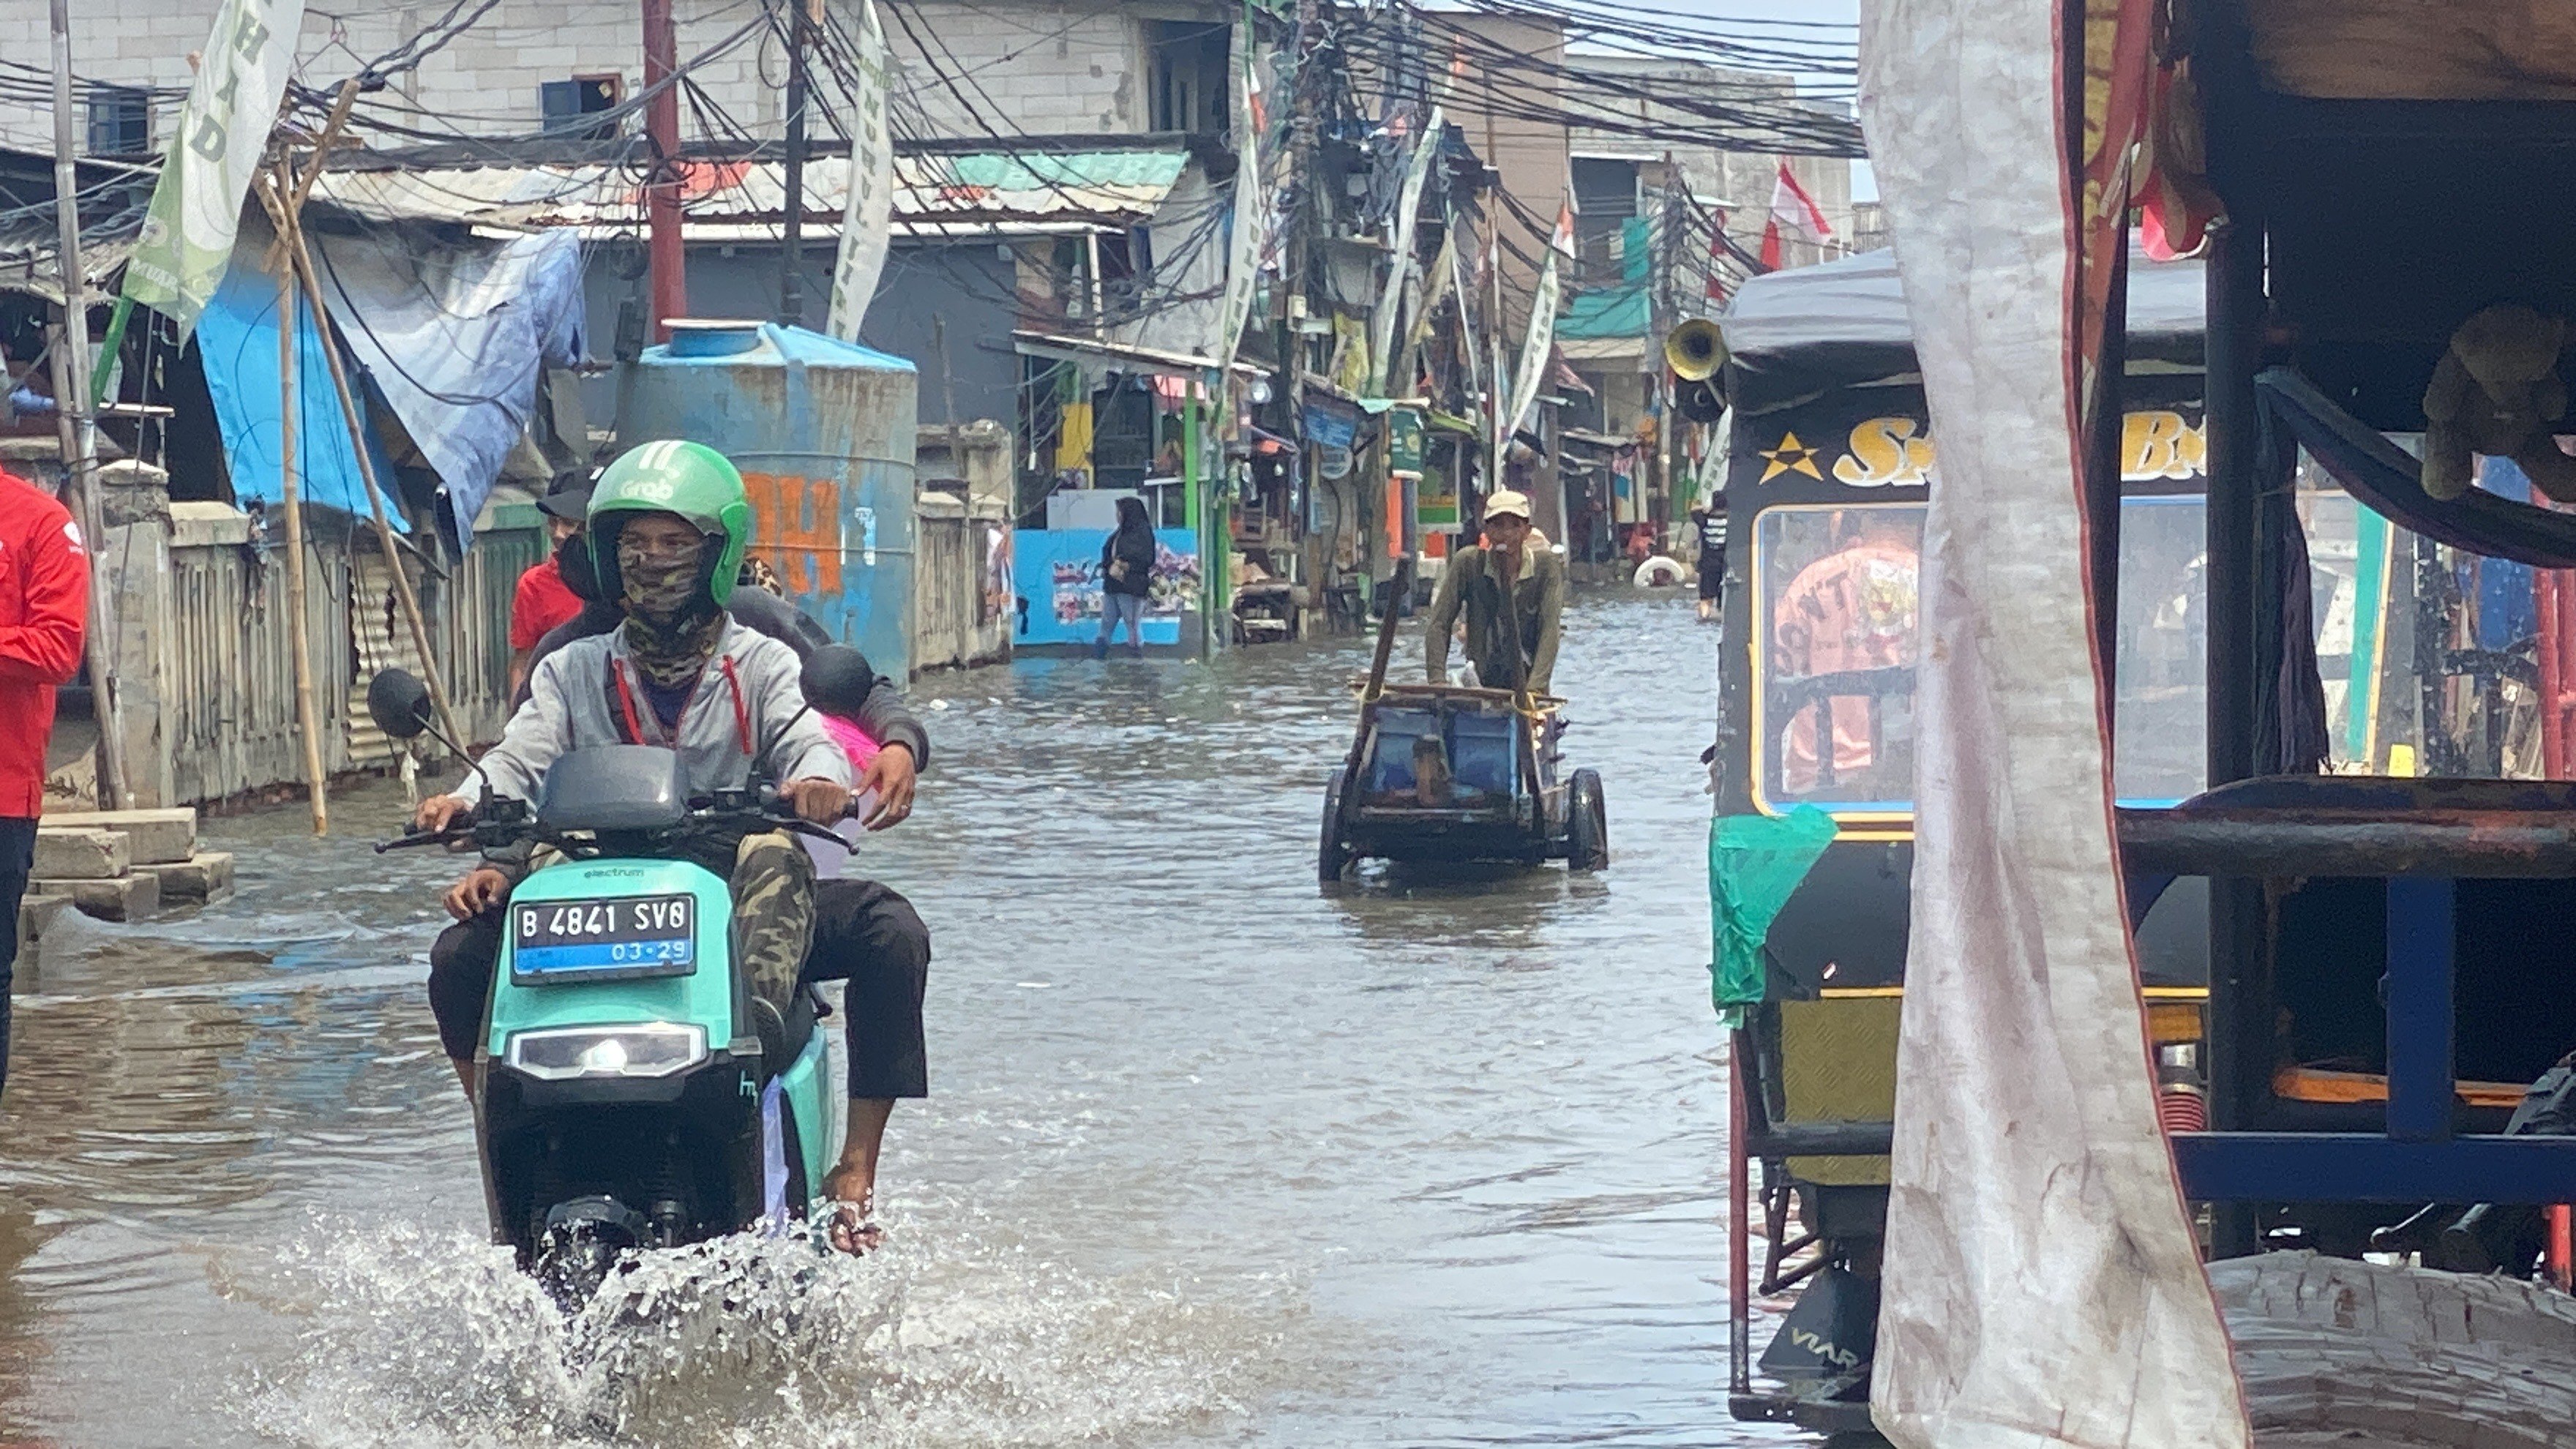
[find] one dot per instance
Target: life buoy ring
(1658, 573)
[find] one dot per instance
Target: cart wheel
(1587, 823)
(1332, 852)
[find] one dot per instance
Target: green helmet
(689, 479)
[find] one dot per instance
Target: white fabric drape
(2042, 1284)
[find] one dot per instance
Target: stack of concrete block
(125, 865)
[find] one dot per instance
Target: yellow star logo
(1791, 456)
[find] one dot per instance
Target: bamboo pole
(301, 256)
(290, 404)
(80, 430)
(283, 195)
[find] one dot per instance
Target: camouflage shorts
(773, 913)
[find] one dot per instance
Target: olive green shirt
(1472, 584)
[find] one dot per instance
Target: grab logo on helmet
(653, 455)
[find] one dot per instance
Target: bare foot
(849, 1191)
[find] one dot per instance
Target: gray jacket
(572, 705)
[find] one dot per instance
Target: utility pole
(791, 241)
(80, 425)
(1319, 553)
(1666, 316)
(668, 287)
(1494, 475)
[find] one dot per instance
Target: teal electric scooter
(634, 1093)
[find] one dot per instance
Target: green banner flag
(187, 239)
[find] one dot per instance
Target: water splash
(416, 1337)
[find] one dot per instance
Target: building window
(120, 121)
(1605, 199)
(1189, 87)
(566, 104)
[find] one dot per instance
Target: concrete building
(963, 70)
(526, 64)
(1647, 206)
(1736, 181)
(1064, 66)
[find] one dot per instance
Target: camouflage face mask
(658, 586)
(671, 624)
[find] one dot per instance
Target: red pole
(2562, 1248)
(2553, 725)
(669, 287)
(1739, 1250)
(2561, 643)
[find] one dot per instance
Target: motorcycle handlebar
(435, 837)
(772, 811)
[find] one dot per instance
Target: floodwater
(1215, 1158)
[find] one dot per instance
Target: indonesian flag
(1793, 213)
(1563, 238)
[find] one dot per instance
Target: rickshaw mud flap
(1819, 1416)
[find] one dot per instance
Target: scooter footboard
(807, 1089)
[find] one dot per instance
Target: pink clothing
(853, 740)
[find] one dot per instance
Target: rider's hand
(819, 801)
(439, 811)
(890, 775)
(482, 889)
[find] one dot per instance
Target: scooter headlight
(651, 1049)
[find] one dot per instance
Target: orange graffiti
(798, 528)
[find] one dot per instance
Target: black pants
(17, 862)
(1712, 572)
(864, 934)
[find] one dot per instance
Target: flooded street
(1213, 1158)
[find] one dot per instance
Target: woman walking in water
(1126, 578)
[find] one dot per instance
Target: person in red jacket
(44, 604)
(543, 600)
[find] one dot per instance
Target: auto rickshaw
(1830, 465)
(2378, 828)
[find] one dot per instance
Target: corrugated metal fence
(230, 713)
(229, 710)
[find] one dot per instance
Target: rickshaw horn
(1695, 350)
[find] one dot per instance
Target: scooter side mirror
(836, 679)
(399, 703)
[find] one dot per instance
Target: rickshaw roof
(1842, 323)
(2410, 162)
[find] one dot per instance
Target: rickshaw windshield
(1835, 616)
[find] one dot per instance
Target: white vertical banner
(866, 224)
(187, 239)
(1251, 222)
(1400, 233)
(1426, 304)
(1539, 341)
(2042, 1286)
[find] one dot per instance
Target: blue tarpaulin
(237, 338)
(454, 337)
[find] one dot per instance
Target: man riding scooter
(669, 523)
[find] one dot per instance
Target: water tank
(823, 432)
